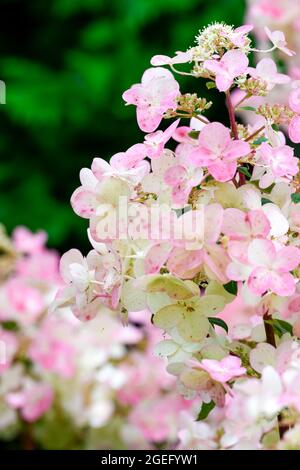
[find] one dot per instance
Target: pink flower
(145, 379)
(277, 38)
(8, 347)
(156, 419)
(280, 162)
(52, 348)
(232, 64)
(221, 371)
(155, 142)
(33, 401)
(218, 152)
(41, 266)
(266, 70)
(27, 242)
(181, 134)
(238, 36)
(180, 58)
(182, 179)
(294, 99)
(272, 269)
(242, 228)
(27, 302)
(90, 282)
(94, 195)
(197, 246)
(129, 165)
(294, 129)
(153, 97)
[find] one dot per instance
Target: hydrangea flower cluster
(99, 382)
(203, 239)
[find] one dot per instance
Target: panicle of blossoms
(207, 243)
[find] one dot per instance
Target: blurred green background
(65, 64)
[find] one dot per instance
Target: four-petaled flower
(218, 152)
(231, 65)
(153, 97)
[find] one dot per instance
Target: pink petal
(213, 66)
(156, 257)
(238, 249)
(261, 253)
(70, 257)
(148, 118)
(282, 284)
(180, 58)
(216, 259)
(158, 60)
(287, 258)
(130, 158)
(87, 312)
(235, 225)
(236, 149)
(294, 100)
(236, 62)
(185, 264)
(156, 73)
(260, 225)
(201, 156)
(100, 167)
(224, 81)
(259, 280)
(213, 218)
(294, 130)
(236, 271)
(222, 171)
(88, 179)
(214, 137)
(175, 175)
(84, 202)
(133, 95)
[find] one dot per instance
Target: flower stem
(255, 134)
(234, 129)
(232, 120)
(248, 95)
(269, 330)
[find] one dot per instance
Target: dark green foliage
(280, 326)
(295, 198)
(218, 322)
(231, 287)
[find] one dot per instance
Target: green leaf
(206, 408)
(265, 200)
(219, 322)
(260, 140)
(280, 326)
(248, 108)
(245, 171)
(275, 127)
(210, 85)
(295, 198)
(194, 134)
(10, 325)
(231, 287)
